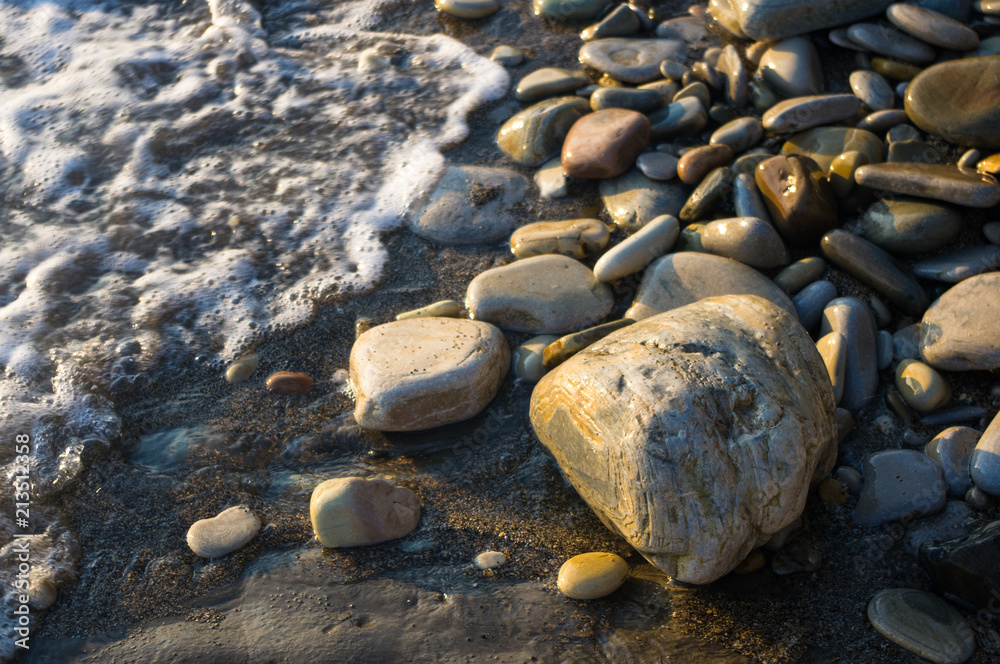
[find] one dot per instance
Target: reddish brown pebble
(691, 167)
(289, 382)
(605, 144)
(799, 197)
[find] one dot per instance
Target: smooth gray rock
(937, 181)
(812, 300)
(910, 225)
(740, 134)
(621, 22)
(890, 43)
(800, 274)
(932, 27)
(633, 199)
(712, 189)
(899, 485)
(922, 623)
(549, 82)
(643, 101)
(637, 251)
(954, 521)
(791, 67)
(657, 165)
(802, 113)
(873, 90)
(565, 10)
(731, 67)
(985, 464)
(777, 19)
(958, 265)
(747, 200)
(534, 135)
(952, 448)
(680, 118)
(749, 240)
(631, 60)
(961, 329)
(689, 29)
(850, 317)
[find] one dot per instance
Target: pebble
(824, 144)
(508, 56)
(747, 201)
(673, 71)
(922, 624)
(565, 10)
(921, 386)
(961, 329)
(621, 22)
(800, 274)
(767, 19)
(902, 411)
(686, 28)
(791, 67)
(850, 477)
(604, 144)
(739, 134)
(959, 100)
(575, 238)
(707, 195)
(899, 485)
(899, 71)
(528, 365)
(355, 511)
(633, 200)
(801, 113)
(850, 317)
(747, 164)
(882, 314)
(978, 499)
(969, 159)
(680, 118)
(534, 135)
(440, 309)
(694, 164)
(642, 101)
(241, 369)
(832, 492)
(731, 66)
(875, 268)
(831, 349)
(361, 325)
(706, 74)
(954, 521)
(812, 300)
(749, 240)
(966, 567)
(657, 165)
(421, 373)
(761, 96)
(992, 231)
(551, 179)
(490, 560)
(985, 468)
(553, 294)
(990, 164)
(566, 347)
(940, 182)
(458, 212)
(909, 225)
(873, 90)
(890, 43)
(228, 531)
(845, 425)
(634, 253)
(467, 8)
(631, 60)
(960, 264)
(592, 575)
(799, 197)
(952, 448)
(883, 349)
(289, 383)
(685, 277)
(698, 90)
(932, 27)
(549, 82)
(955, 415)
(880, 121)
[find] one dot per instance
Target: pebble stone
(922, 388)
(791, 67)
(440, 309)
(922, 624)
(551, 179)
(841, 174)
(960, 264)
(824, 144)
(621, 22)
(799, 197)
(686, 28)
(357, 511)
(959, 100)
(812, 300)
(289, 383)
(707, 195)
(534, 135)
(228, 531)
(978, 499)
(952, 448)
(632, 199)
(731, 66)
(740, 134)
(749, 240)
(631, 60)
(910, 225)
(879, 121)
(694, 164)
(642, 101)
(940, 182)
(955, 521)
(528, 365)
(873, 90)
(639, 250)
(682, 117)
(969, 159)
(604, 144)
(985, 465)
(850, 317)
(961, 329)
(932, 27)
(899, 484)
(566, 347)
(657, 165)
(766, 19)
(990, 164)
(899, 71)
(883, 349)
(241, 369)
(565, 10)
(592, 575)
(490, 560)
(800, 274)
(890, 43)
(467, 8)
(549, 82)
(882, 314)
(508, 56)
(747, 201)
(800, 113)
(698, 90)
(575, 238)
(831, 349)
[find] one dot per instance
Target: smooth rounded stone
(604, 144)
(880, 121)
(913, 152)
(845, 426)
(666, 89)
(642, 101)
(682, 117)
(362, 325)
(954, 521)
(674, 71)
(422, 373)
(537, 133)
(441, 309)
(289, 383)
(952, 448)
(799, 197)
(508, 56)
(967, 567)
(899, 71)
(456, 213)
(961, 329)
(791, 67)
(839, 38)
(740, 134)
(882, 314)
(883, 349)
(694, 164)
(685, 277)
(922, 624)
(633, 406)
(959, 265)
(657, 165)
(707, 74)
(551, 179)
(922, 388)
(731, 67)
(990, 164)
(631, 60)
(575, 238)
(875, 268)
(592, 575)
(771, 19)
(761, 96)
(755, 51)
(902, 411)
(890, 43)
(747, 164)
(553, 294)
(850, 317)
(978, 499)
(528, 365)
(800, 274)
(985, 464)
(873, 90)
(723, 114)
(898, 485)
(707, 195)
(831, 349)
(724, 14)
(633, 199)
(356, 511)
(909, 226)
(939, 182)
(241, 369)
(691, 238)
(812, 300)
(467, 8)
(490, 560)
(549, 82)
(698, 90)
(989, 7)
(565, 10)
(959, 100)
(824, 144)
(621, 22)
(800, 113)
(932, 27)
(634, 253)
(747, 201)
(991, 230)
(686, 28)
(228, 531)
(969, 159)
(749, 240)
(849, 477)
(566, 347)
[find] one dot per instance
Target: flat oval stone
(566, 347)
(685, 277)
(490, 560)
(355, 511)
(940, 182)
(958, 265)
(686, 28)
(747, 201)
(748, 240)
(549, 82)
(812, 300)
(873, 90)
(891, 43)
(831, 349)
(440, 309)
(528, 365)
(421, 373)
(850, 317)
(961, 329)
(565, 10)
(910, 225)
(289, 382)
(922, 388)
(228, 531)
(922, 624)
(767, 19)
(631, 60)
(552, 294)
(740, 134)
(551, 179)
(694, 164)
(630, 98)
(959, 100)
(657, 165)
(507, 55)
(575, 238)
(877, 269)
(707, 195)
(241, 369)
(985, 468)
(467, 8)
(537, 133)
(899, 484)
(932, 27)
(731, 66)
(637, 251)
(592, 575)
(698, 90)
(802, 113)
(991, 230)
(605, 144)
(842, 171)
(632, 199)
(824, 144)
(791, 68)
(799, 197)
(800, 274)
(680, 118)
(952, 448)
(621, 22)
(899, 71)
(883, 349)
(880, 121)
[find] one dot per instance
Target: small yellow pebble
(592, 575)
(922, 388)
(241, 369)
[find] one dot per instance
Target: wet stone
(747, 201)
(952, 448)
(565, 10)
(680, 118)
(740, 134)
(959, 100)
(731, 67)
(824, 144)
(698, 90)
(467, 8)
(536, 134)
(802, 113)
(831, 349)
(969, 159)
(882, 314)
(791, 67)
(551, 179)
(873, 90)
(799, 197)
(621, 22)
(922, 388)
(898, 71)
(913, 152)
(761, 96)
(642, 101)
(707, 195)
(749, 240)
(657, 165)
(440, 309)
(241, 369)
(841, 174)
(966, 567)
(631, 60)
(992, 232)
(932, 27)
(289, 383)
(909, 226)
(978, 499)
(566, 347)
(224, 533)
(985, 467)
(747, 164)
(574, 238)
(639, 250)
(592, 575)
(923, 624)
(632, 199)
(850, 317)
(549, 82)
(958, 265)
(899, 484)
(528, 365)
(883, 348)
(880, 121)
(940, 182)
(961, 329)
(605, 144)
(694, 164)
(686, 28)
(490, 560)
(812, 300)
(890, 43)
(666, 89)
(508, 56)
(767, 19)
(800, 274)
(954, 521)
(355, 511)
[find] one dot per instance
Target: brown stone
(605, 144)
(799, 197)
(693, 165)
(289, 382)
